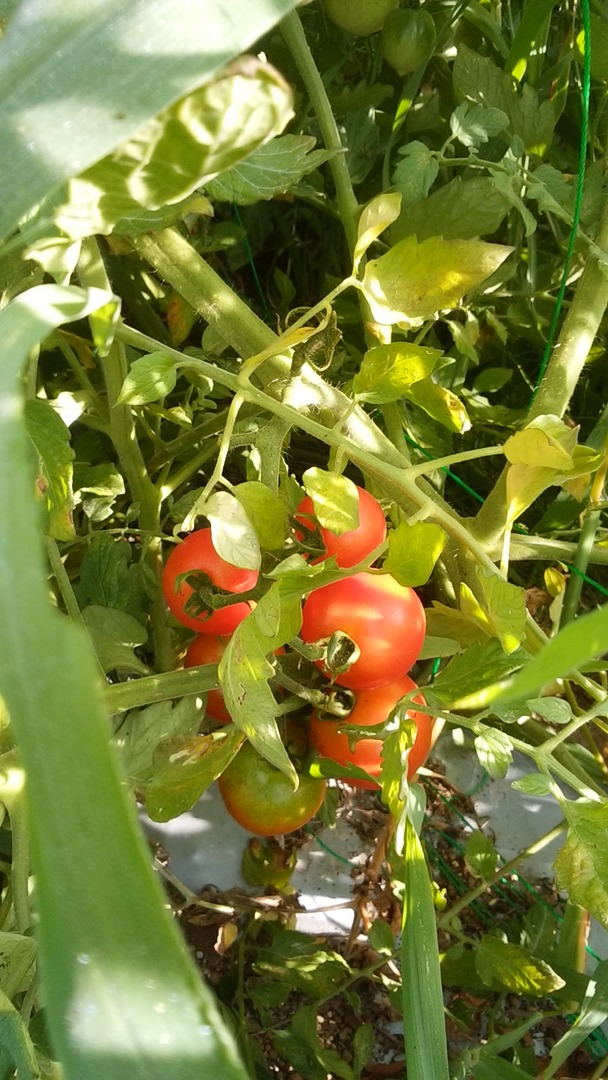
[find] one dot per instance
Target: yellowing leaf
(414, 280)
(375, 218)
(441, 404)
(547, 441)
(582, 864)
(387, 371)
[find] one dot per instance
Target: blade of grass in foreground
(124, 1000)
(423, 1019)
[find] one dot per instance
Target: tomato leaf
(416, 172)
(462, 210)
(109, 579)
(495, 752)
(505, 608)
(115, 635)
(479, 665)
(266, 511)
(374, 219)
(335, 499)
(413, 551)
(142, 731)
(234, 537)
(244, 671)
(388, 371)
(480, 855)
(415, 280)
(150, 378)
(440, 403)
(51, 438)
(581, 866)
(500, 963)
(270, 170)
(151, 58)
(188, 768)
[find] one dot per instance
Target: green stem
(63, 582)
(179, 264)
(295, 38)
(425, 467)
(569, 355)
(580, 563)
(444, 922)
(540, 547)
(153, 688)
(123, 433)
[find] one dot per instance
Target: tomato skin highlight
(209, 649)
(197, 552)
(371, 708)
(385, 619)
(262, 799)
(356, 544)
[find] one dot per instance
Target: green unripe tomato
(408, 39)
(360, 17)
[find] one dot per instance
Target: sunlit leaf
(266, 511)
(413, 551)
(415, 280)
(150, 378)
(581, 866)
(388, 371)
(335, 499)
(495, 752)
(374, 219)
(234, 537)
(112, 67)
(513, 968)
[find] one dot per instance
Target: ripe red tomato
(372, 707)
(383, 618)
(262, 799)
(208, 649)
(197, 552)
(356, 544)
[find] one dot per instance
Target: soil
(213, 935)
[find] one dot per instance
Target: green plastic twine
(582, 155)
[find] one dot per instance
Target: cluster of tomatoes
(407, 35)
(368, 631)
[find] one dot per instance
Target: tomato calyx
(341, 652)
(207, 597)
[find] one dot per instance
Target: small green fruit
(360, 17)
(408, 39)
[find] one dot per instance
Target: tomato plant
(385, 620)
(407, 39)
(372, 707)
(209, 649)
(360, 17)
(197, 553)
(350, 547)
(263, 800)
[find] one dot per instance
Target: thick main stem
(571, 351)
